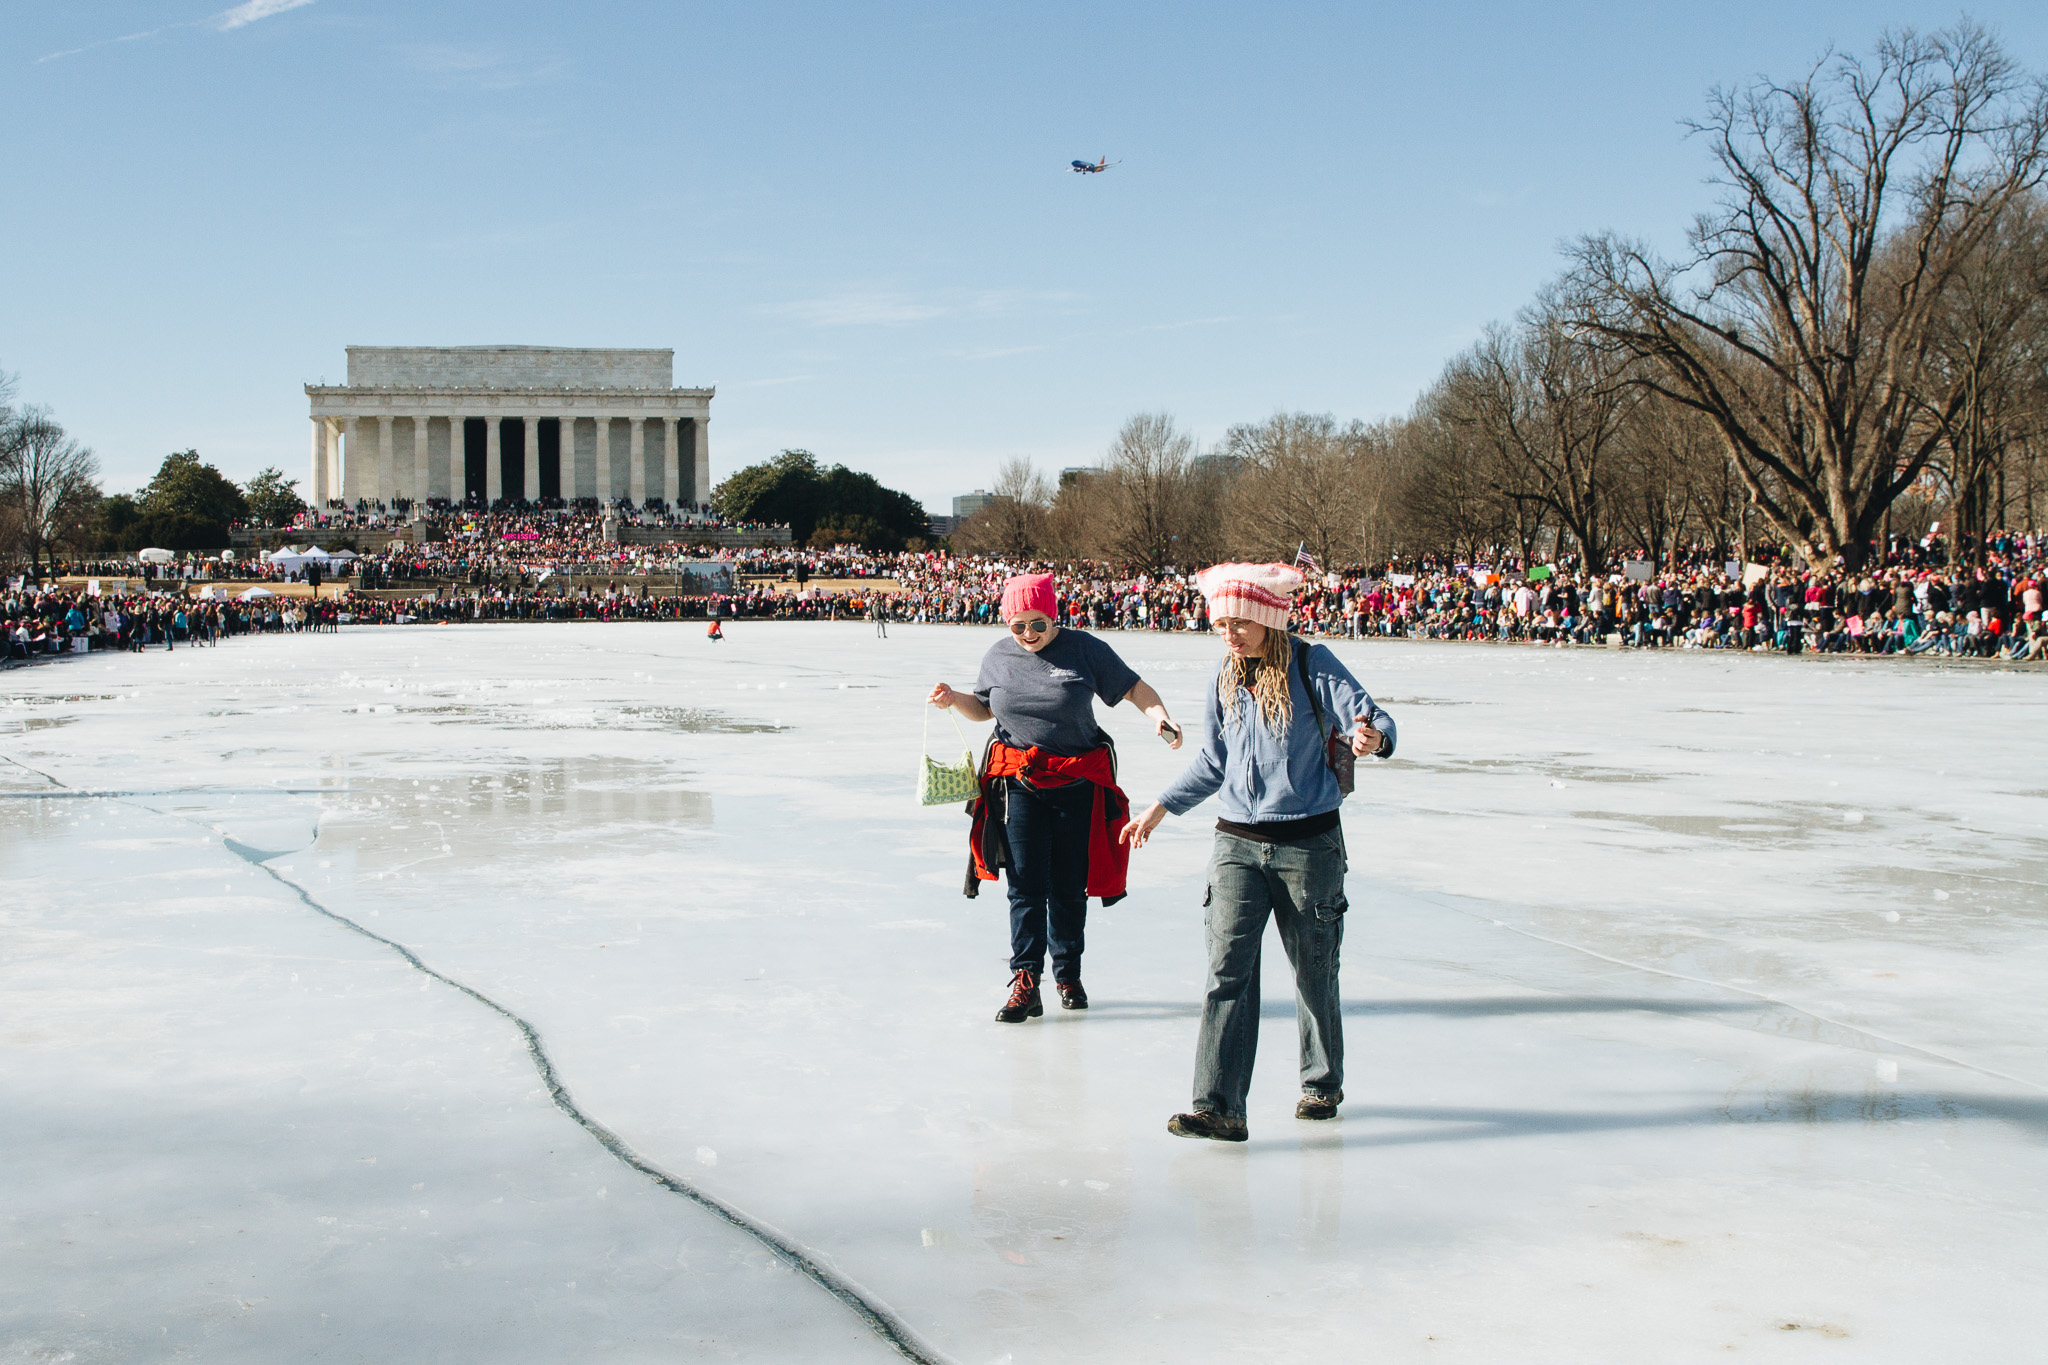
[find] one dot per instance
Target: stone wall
(509, 367)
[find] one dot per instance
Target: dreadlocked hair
(1269, 688)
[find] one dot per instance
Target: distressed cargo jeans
(1301, 886)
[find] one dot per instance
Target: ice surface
(1693, 1004)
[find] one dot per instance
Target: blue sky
(855, 220)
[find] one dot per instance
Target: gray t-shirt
(1045, 700)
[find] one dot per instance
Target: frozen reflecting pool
(1693, 1006)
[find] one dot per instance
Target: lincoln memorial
(512, 423)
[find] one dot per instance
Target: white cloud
(888, 308)
(249, 11)
(997, 353)
(1191, 322)
(476, 67)
(241, 16)
(861, 309)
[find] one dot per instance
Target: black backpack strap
(1301, 648)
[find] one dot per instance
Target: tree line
(1853, 341)
(51, 503)
(831, 506)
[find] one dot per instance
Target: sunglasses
(1035, 627)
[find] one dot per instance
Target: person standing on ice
(1279, 846)
(1049, 811)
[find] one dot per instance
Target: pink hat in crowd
(1029, 592)
(1252, 592)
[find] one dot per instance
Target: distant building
(1226, 467)
(967, 504)
(942, 526)
(1074, 473)
(511, 423)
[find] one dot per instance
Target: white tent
(295, 561)
(154, 556)
(252, 594)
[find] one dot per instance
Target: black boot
(1072, 996)
(1023, 1002)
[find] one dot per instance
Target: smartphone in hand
(1170, 733)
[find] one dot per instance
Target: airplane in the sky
(1084, 168)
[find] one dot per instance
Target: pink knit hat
(1029, 592)
(1253, 592)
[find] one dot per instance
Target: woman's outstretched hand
(1366, 741)
(942, 696)
(1139, 830)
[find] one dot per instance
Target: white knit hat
(1254, 592)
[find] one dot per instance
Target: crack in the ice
(879, 1318)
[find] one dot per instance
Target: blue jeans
(1048, 875)
(1301, 885)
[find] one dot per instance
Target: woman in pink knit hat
(1278, 714)
(1050, 811)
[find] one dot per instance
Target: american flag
(1305, 559)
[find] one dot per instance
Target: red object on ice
(1109, 859)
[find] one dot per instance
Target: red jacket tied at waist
(1109, 859)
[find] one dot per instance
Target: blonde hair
(1270, 689)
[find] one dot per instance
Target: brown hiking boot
(1219, 1127)
(1314, 1106)
(1072, 997)
(1023, 1002)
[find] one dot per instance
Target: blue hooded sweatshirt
(1263, 776)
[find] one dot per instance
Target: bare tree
(1303, 483)
(1802, 319)
(1990, 350)
(1376, 497)
(1013, 522)
(1672, 484)
(46, 479)
(1073, 522)
(1142, 497)
(1552, 407)
(1447, 500)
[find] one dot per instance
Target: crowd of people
(1925, 597)
(40, 623)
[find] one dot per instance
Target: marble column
(671, 462)
(529, 484)
(386, 483)
(456, 472)
(607, 483)
(636, 460)
(316, 486)
(494, 471)
(702, 460)
(571, 489)
(420, 469)
(333, 458)
(586, 483)
(357, 466)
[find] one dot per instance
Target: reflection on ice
(495, 810)
(548, 715)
